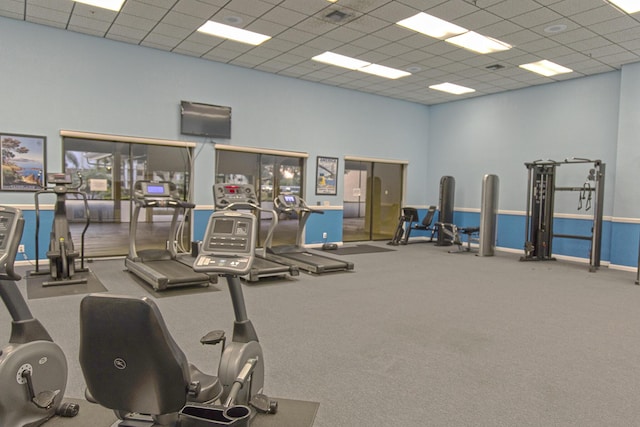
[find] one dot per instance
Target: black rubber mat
(291, 413)
(35, 288)
(359, 249)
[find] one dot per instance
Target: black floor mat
(35, 288)
(359, 249)
(291, 413)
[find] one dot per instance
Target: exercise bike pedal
(68, 410)
(213, 338)
(263, 404)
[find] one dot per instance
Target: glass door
(372, 200)
(271, 175)
(109, 170)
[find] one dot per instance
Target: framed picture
(23, 160)
(327, 175)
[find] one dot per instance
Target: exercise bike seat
(130, 361)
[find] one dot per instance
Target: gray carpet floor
(419, 337)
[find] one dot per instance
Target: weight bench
(472, 233)
(409, 221)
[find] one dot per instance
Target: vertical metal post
(596, 237)
(447, 195)
(488, 215)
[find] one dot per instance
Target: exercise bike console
(228, 246)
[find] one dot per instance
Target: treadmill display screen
(231, 189)
(289, 199)
(155, 189)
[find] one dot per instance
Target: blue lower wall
(619, 239)
(329, 222)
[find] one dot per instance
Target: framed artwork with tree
(23, 160)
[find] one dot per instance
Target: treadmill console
(11, 224)
(154, 190)
(59, 178)
(158, 194)
(243, 195)
(289, 201)
(228, 244)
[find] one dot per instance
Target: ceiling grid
(588, 36)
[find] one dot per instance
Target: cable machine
(540, 200)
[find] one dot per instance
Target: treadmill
(243, 196)
(296, 254)
(160, 267)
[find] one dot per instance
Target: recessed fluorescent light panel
(629, 6)
(233, 33)
(546, 68)
(114, 5)
(452, 88)
(443, 30)
(340, 60)
(478, 43)
(431, 26)
(359, 65)
(382, 71)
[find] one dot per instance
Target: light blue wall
(497, 134)
(53, 79)
(61, 80)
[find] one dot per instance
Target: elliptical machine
(33, 369)
(62, 254)
(132, 365)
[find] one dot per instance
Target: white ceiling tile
(598, 37)
(38, 12)
(196, 8)
(393, 12)
(192, 48)
(284, 16)
(136, 22)
(306, 7)
(185, 21)
(574, 7)
(118, 32)
(143, 10)
(270, 29)
(171, 31)
(254, 8)
(451, 10)
(614, 25)
(537, 17)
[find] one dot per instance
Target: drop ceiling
(588, 36)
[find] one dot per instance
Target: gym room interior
(513, 303)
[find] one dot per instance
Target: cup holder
(193, 415)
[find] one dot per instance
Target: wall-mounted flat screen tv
(205, 120)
